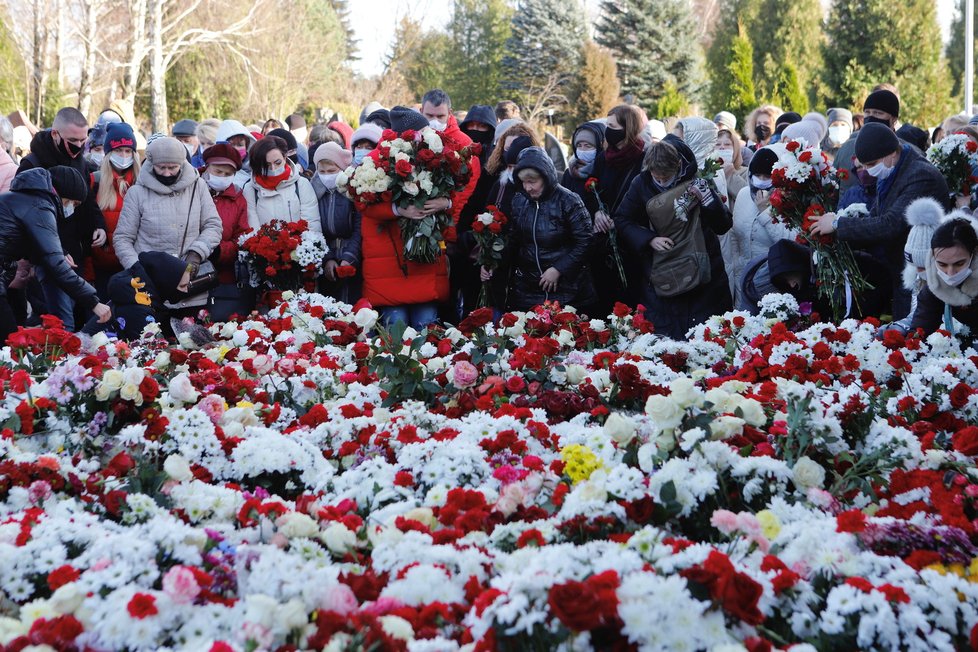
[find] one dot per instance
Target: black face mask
(71, 150)
(615, 137)
(872, 118)
(481, 137)
(167, 180)
(762, 133)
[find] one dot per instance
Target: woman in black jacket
(29, 216)
(341, 225)
(952, 279)
(683, 281)
(549, 234)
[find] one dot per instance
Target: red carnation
(62, 575)
(965, 441)
(142, 605)
(852, 520)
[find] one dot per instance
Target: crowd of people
(102, 225)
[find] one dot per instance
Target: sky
(374, 21)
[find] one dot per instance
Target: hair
(108, 192)
(207, 129)
(886, 87)
(317, 134)
(507, 109)
(632, 121)
(968, 130)
(959, 232)
(270, 124)
(529, 173)
(437, 97)
(69, 116)
(738, 157)
(937, 134)
(259, 153)
(661, 158)
(954, 123)
(857, 121)
(495, 163)
(6, 133)
(751, 121)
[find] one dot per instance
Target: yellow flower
(770, 524)
(579, 462)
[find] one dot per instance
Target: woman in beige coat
(278, 191)
(168, 210)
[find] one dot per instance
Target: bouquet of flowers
(705, 181)
(956, 156)
(591, 185)
(283, 255)
(409, 169)
(806, 186)
(487, 229)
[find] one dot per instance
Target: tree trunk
(38, 46)
(136, 51)
(157, 71)
(58, 64)
(91, 8)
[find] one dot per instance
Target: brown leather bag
(687, 265)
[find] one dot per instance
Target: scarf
(271, 183)
(624, 157)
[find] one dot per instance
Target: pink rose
(340, 599)
(180, 584)
(213, 406)
(464, 374)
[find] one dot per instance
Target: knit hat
(222, 154)
(807, 130)
(230, 128)
(156, 135)
(166, 271)
(96, 135)
(369, 109)
(68, 183)
(185, 127)
(512, 154)
(287, 136)
(819, 119)
(344, 130)
(726, 120)
(404, 119)
(913, 135)
(504, 126)
(380, 117)
(295, 121)
(786, 119)
(586, 136)
(883, 100)
(118, 134)
(923, 215)
(875, 141)
(166, 150)
(330, 151)
(840, 115)
(974, 120)
(369, 132)
(763, 161)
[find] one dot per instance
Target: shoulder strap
(186, 227)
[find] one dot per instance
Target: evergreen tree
(596, 87)
(787, 39)
(479, 30)
(731, 74)
(12, 70)
(655, 42)
(876, 41)
(955, 49)
(671, 102)
(342, 10)
(742, 97)
(544, 50)
(421, 58)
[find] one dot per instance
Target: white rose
(339, 642)
(411, 188)
(133, 376)
(575, 374)
(99, 340)
(112, 380)
(598, 325)
(423, 515)
(665, 412)
(620, 428)
(397, 627)
(293, 615)
(719, 398)
(684, 392)
(753, 412)
(339, 538)
(261, 609)
(295, 524)
(178, 468)
(725, 427)
(646, 457)
(181, 389)
(565, 338)
(162, 360)
(366, 318)
(593, 492)
(67, 598)
(665, 442)
(808, 474)
(130, 392)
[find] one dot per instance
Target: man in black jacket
(28, 229)
(63, 144)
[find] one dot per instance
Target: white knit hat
(923, 215)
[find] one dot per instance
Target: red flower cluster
(736, 592)
(268, 253)
(584, 606)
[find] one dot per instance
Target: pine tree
(479, 30)
(544, 51)
(421, 58)
(787, 39)
(654, 42)
(876, 41)
(596, 87)
(342, 10)
(742, 96)
(955, 49)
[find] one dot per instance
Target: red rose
(404, 169)
(62, 575)
(346, 271)
(142, 605)
(965, 441)
(959, 395)
(740, 594)
(582, 606)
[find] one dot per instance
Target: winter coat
(7, 170)
(291, 201)
(614, 180)
(340, 222)
(674, 316)
(76, 232)
(501, 196)
(753, 233)
(932, 300)
(553, 231)
(457, 138)
(233, 211)
(176, 219)
(577, 173)
(885, 226)
(29, 215)
(104, 258)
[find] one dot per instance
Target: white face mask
(954, 280)
(70, 210)
(879, 171)
(359, 155)
(505, 177)
(219, 184)
(586, 156)
(839, 134)
(274, 172)
(120, 161)
(726, 155)
(329, 180)
(437, 125)
(761, 184)
(96, 157)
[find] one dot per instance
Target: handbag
(206, 278)
(687, 265)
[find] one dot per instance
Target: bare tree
(92, 11)
(545, 95)
(38, 56)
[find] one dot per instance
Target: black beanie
(513, 153)
(382, 116)
(763, 161)
(404, 119)
(875, 141)
(165, 271)
(883, 100)
(68, 183)
(913, 135)
(289, 139)
(786, 119)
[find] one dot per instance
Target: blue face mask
(586, 156)
(359, 155)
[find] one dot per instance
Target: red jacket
(454, 135)
(233, 209)
(104, 258)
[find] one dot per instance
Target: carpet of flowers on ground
(548, 482)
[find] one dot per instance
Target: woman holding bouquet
(278, 190)
(340, 223)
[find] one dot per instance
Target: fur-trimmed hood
(964, 294)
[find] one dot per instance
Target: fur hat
(330, 151)
(367, 131)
